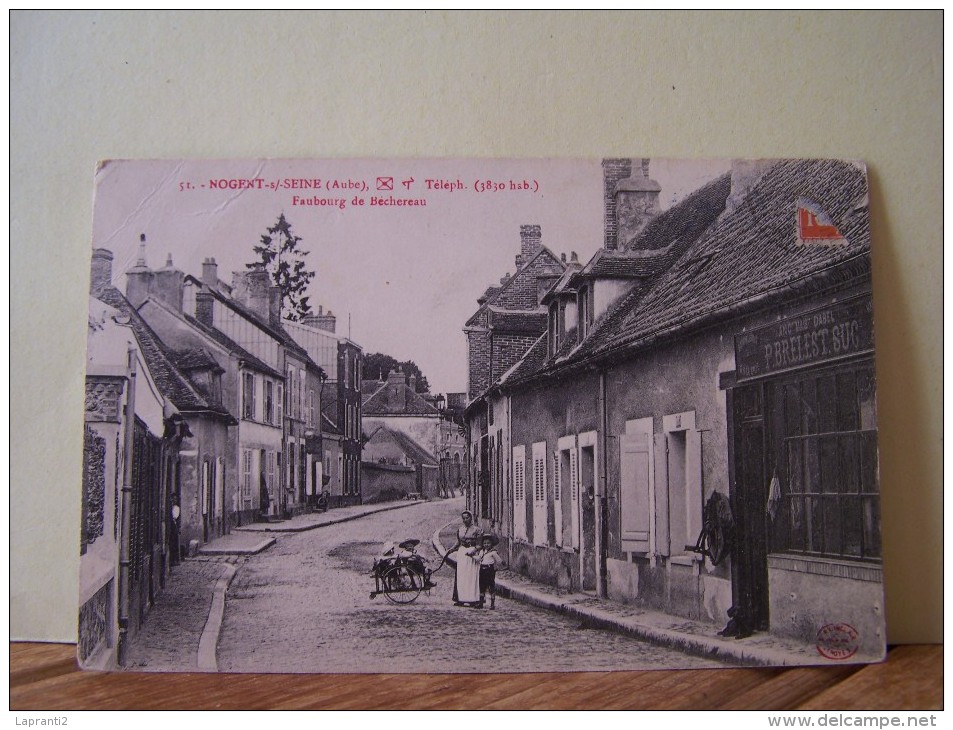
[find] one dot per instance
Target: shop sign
(831, 333)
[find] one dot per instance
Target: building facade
(703, 437)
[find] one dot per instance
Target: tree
(377, 365)
(284, 261)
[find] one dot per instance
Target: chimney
(101, 270)
(505, 278)
(321, 320)
(139, 277)
(205, 307)
(531, 240)
(167, 284)
(274, 305)
(573, 258)
(613, 170)
(210, 273)
(250, 288)
(412, 382)
(745, 174)
(636, 203)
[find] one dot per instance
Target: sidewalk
(692, 637)
(313, 520)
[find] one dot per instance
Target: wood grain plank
(786, 690)
(46, 678)
(910, 679)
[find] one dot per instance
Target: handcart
(401, 574)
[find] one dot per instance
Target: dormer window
(554, 329)
(584, 303)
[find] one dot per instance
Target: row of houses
(205, 410)
(687, 421)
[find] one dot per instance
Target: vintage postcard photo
(464, 415)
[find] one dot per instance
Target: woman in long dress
(468, 574)
(467, 535)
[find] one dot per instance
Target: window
(553, 329)
(246, 474)
(302, 395)
(519, 492)
(829, 501)
(269, 402)
(682, 469)
(248, 396)
(311, 414)
(584, 303)
(280, 404)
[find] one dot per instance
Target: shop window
(828, 468)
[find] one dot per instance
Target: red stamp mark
(837, 641)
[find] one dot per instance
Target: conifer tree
(284, 261)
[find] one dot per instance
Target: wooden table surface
(45, 677)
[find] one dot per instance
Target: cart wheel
(402, 584)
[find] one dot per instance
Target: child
(489, 559)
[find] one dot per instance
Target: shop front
(804, 483)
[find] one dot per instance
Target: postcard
(480, 415)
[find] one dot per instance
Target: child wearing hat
(489, 559)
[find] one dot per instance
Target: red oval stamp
(837, 641)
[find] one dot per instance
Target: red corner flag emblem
(814, 225)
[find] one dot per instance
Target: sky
(401, 279)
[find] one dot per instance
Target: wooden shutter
(637, 515)
(519, 492)
(661, 494)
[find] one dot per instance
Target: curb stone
(208, 643)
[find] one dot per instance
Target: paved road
(303, 606)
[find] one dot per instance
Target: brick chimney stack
(205, 307)
(531, 240)
(636, 203)
(101, 270)
(613, 170)
(322, 320)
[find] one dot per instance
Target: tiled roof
(518, 321)
(626, 264)
(751, 252)
(532, 361)
(403, 402)
(409, 446)
(173, 384)
(275, 330)
(329, 410)
(195, 358)
(490, 295)
(233, 347)
(493, 293)
(369, 387)
(414, 450)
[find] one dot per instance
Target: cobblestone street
(303, 606)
